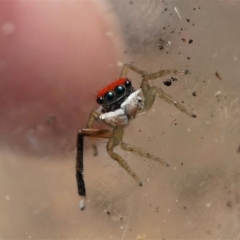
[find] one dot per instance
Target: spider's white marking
(127, 110)
(82, 203)
(116, 118)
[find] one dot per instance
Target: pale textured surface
(197, 197)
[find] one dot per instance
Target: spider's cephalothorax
(112, 96)
(119, 104)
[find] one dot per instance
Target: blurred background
(55, 56)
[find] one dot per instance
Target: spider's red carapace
(111, 86)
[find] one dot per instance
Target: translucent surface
(198, 195)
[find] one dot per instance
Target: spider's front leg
(95, 133)
(150, 92)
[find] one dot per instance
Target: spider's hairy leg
(93, 116)
(114, 141)
(96, 133)
(150, 92)
(127, 67)
(143, 153)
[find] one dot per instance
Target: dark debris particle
(108, 213)
(181, 163)
(173, 79)
(188, 20)
(194, 115)
(121, 218)
(190, 41)
(184, 207)
(165, 9)
(194, 94)
(229, 203)
(183, 39)
(208, 232)
(238, 150)
(161, 44)
(218, 76)
(188, 58)
(167, 82)
(186, 71)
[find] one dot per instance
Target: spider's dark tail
(79, 169)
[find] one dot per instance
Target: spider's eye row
(119, 90)
(100, 100)
(109, 96)
(128, 83)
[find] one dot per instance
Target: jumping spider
(119, 103)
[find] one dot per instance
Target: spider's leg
(150, 92)
(94, 115)
(143, 153)
(96, 133)
(114, 141)
(127, 67)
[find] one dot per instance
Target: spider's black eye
(109, 96)
(100, 100)
(119, 90)
(128, 83)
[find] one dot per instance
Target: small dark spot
(161, 44)
(185, 207)
(183, 39)
(175, 124)
(173, 79)
(194, 94)
(108, 213)
(167, 82)
(188, 20)
(130, 2)
(193, 24)
(164, 28)
(181, 29)
(121, 218)
(181, 163)
(172, 31)
(165, 9)
(182, 101)
(229, 203)
(186, 71)
(140, 130)
(190, 41)
(188, 58)
(194, 115)
(194, 9)
(208, 232)
(166, 52)
(218, 76)
(238, 150)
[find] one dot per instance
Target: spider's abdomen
(112, 96)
